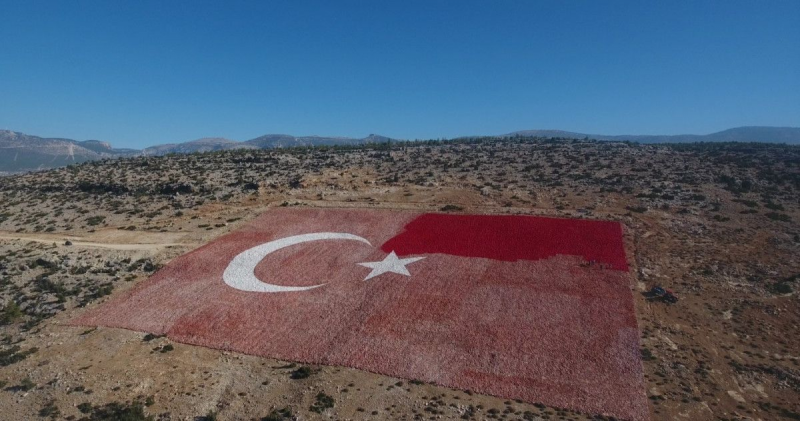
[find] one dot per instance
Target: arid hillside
(716, 223)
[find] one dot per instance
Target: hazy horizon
(145, 145)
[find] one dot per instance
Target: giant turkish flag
(523, 307)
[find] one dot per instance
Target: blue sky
(139, 73)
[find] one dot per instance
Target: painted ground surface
(502, 305)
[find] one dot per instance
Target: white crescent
(240, 273)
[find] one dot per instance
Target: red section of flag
(552, 330)
(510, 238)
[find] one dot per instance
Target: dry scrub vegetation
(717, 223)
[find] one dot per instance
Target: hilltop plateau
(717, 223)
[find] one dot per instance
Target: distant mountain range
(268, 141)
(790, 135)
(287, 141)
(20, 152)
(206, 144)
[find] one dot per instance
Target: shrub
(26, 384)
(774, 206)
(301, 373)
(250, 186)
(781, 288)
(279, 415)
(44, 263)
(85, 408)
(210, 416)
(11, 313)
(748, 203)
(50, 410)
(164, 348)
(778, 216)
(323, 402)
(171, 189)
(120, 412)
(448, 208)
(95, 220)
(12, 355)
(149, 337)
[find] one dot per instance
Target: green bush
(11, 313)
(26, 384)
(95, 220)
(301, 373)
(119, 412)
(50, 410)
(279, 415)
(748, 203)
(778, 216)
(782, 287)
(448, 208)
(323, 402)
(13, 355)
(774, 206)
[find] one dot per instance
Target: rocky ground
(717, 223)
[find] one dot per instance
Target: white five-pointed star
(390, 264)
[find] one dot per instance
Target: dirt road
(80, 242)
